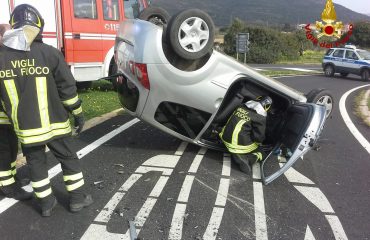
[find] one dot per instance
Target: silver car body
(203, 89)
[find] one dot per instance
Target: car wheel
(155, 15)
(191, 34)
(322, 97)
(365, 75)
(344, 74)
(329, 70)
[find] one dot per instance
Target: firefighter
(8, 153)
(39, 91)
(245, 131)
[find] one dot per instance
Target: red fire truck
(84, 30)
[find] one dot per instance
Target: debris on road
(98, 182)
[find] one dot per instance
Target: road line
(316, 197)
(178, 216)
(259, 205)
(91, 147)
(95, 231)
(337, 227)
(309, 235)
(226, 167)
(347, 120)
(300, 69)
(294, 176)
(6, 203)
(220, 203)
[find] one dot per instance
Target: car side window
(111, 10)
(351, 55)
(330, 51)
(85, 9)
(338, 53)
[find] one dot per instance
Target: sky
(361, 6)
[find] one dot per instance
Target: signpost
(242, 42)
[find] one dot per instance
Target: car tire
(191, 34)
(155, 15)
(344, 74)
(322, 97)
(365, 75)
(329, 70)
(114, 70)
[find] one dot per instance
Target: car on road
(171, 77)
(347, 60)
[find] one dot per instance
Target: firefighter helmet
(26, 14)
(266, 102)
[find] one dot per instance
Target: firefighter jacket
(245, 129)
(38, 91)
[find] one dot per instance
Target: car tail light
(142, 74)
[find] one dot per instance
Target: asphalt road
(178, 190)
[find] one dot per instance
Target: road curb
(21, 160)
(364, 108)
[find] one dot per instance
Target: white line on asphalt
(300, 69)
(347, 120)
(259, 205)
(316, 197)
(309, 234)
(294, 176)
(182, 200)
(220, 203)
(6, 203)
(336, 227)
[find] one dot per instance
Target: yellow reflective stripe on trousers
(238, 128)
(241, 149)
(73, 177)
(75, 185)
(44, 193)
(4, 118)
(40, 131)
(77, 111)
(42, 98)
(70, 101)
(258, 155)
(14, 172)
(44, 137)
(14, 100)
(5, 173)
(7, 182)
(13, 164)
(41, 183)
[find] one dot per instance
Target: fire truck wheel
(155, 15)
(191, 34)
(84, 85)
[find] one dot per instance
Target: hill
(268, 12)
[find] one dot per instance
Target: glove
(79, 122)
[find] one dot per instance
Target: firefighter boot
(243, 161)
(47, 205)
(16, 192)
(78, 203)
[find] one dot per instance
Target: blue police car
(347, 60)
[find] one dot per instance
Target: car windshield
(364, 54)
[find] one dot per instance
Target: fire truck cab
(84, 30)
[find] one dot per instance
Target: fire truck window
(111, 10)
(85, 9)
(131, 9)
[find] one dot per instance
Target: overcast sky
(361, 6)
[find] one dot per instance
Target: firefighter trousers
(8, 155)
(72, 174)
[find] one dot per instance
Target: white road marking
(300, 69)
(294, 176)
(259, 205)
(259, 69)
(182, 200)
(337, 227)
(347, 120)
(6, 203)
(161, 163)
(316, 197)
(220, 203)
(309, 234)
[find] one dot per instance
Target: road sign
(242, 41)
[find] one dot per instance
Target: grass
(357, 111)
(99, 99)
(309, 57)
(279, 73)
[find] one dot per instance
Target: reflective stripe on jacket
(244, 131)
(38, 91)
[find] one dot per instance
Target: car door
(338, 59)
(302, 128)
(350, 64)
